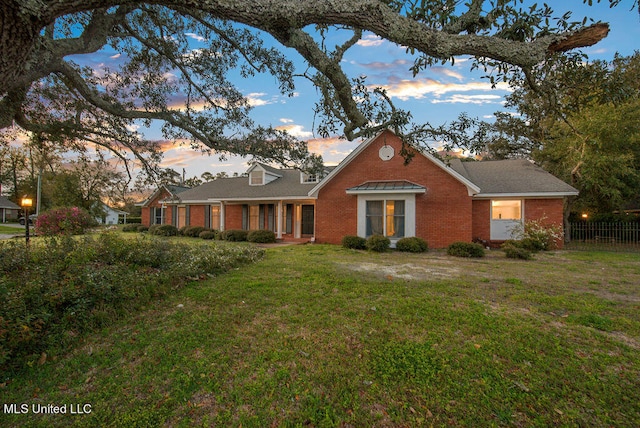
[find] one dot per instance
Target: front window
(254, 217)
(215, 217)
(506, 210)
(158, 215)
(257, 178)
(386, 217)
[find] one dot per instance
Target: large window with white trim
(385, 217)
(506, 209)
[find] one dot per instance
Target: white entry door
(506, 215)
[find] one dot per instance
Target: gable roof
(286, 186)
(513, 177)
(172, 189)
(471, 187)
(7, 204)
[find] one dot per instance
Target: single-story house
(111, 215)
(373, 191)
(8, 209)
(154, 208)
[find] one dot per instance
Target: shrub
(235, 235)
(66, 220)
(261, 236)
(516, 250)
(465, 249)
(152, 229)
(208, 234)
(165, 230)
(378, 243)
(130, 228)
(141, 228)
(191, 231)
(354, 242)
(412, 245)
(73, 286)
(538, 234)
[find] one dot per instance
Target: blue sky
(436, 95)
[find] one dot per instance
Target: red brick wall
(196, 215)
(549, 209)
(482, 219)
(233, 217)
(443, 214)
(155, 203)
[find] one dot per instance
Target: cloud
(469, 99)
(196, 37)
(295, 130)
(445, 71)
(255, 99)
(370, 41)
(285, 120)
(405, 89)
(402, 64)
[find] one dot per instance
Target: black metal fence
(619, 236)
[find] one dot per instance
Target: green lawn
(13, 229)
(323, 336)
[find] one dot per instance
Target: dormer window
(308, 178)
(256, 178)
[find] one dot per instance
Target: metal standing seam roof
(387, 186)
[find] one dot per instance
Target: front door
(307, 219)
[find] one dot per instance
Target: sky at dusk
(436, 95)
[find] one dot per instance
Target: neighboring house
(8, 210)
(111, 215)
(372, 191)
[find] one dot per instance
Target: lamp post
(26, 204)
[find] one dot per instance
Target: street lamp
(26, 204)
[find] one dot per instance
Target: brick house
(372, 191)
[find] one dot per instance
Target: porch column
(222, 216)
(279, 221)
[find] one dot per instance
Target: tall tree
(581, 122)
(45, 92)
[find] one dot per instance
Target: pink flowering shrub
(64, 221)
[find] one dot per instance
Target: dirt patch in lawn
(408, 271)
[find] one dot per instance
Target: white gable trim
(267, 175)
(472, 189)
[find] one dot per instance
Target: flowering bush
(539, 234)
(64, 221)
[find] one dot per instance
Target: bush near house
(191, 231)
(130, 228)
(412, 244)
(164, 230)
(235, 235)
(538, 235)
(208, 234)
(64, 221)
(261, 236)
(465, 249)
(517, 250)
(354, 242)
(378, 243)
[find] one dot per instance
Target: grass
(11, 230)
(323, 336)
